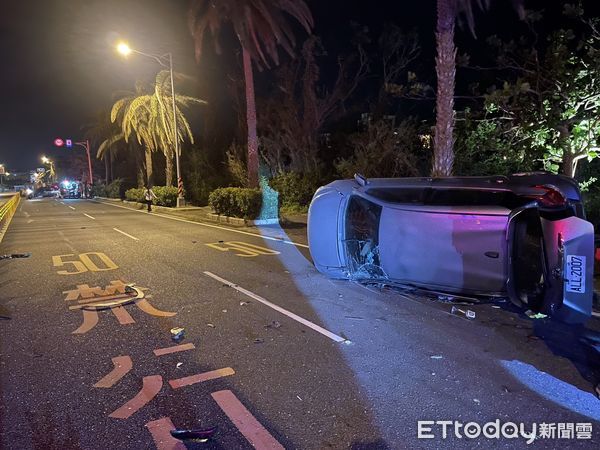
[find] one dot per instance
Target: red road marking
(150, 388)
(122, 366)
(245, 422)
(145, 306)
(122, 315)
(90, 320)
(174, 349)
(200, 377)
(160, 430)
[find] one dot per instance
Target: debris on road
(476, 400)
(469, 314)
(179, 364)
(16, 255)
(259, 340)
(274, 324)
(436, 357)
(193, 242)
(224, 310)
(529, 313)
(194, 435)
(299, 397)
(211, 325)
(177, 333)
(244, 303)
(495, 307)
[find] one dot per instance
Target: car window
(448, 197)
(362, 236)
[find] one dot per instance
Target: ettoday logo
(442, 429)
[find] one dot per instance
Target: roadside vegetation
(312, 115)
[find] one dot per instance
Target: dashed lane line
(284, 311)
(87, 215)
(269, 238)
(126, 234)
(71, 207)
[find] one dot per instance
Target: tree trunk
(106, 157)
(149, 174)
(168, 170)
(251, 121)
(445, 67)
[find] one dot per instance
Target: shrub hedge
(236, 202)
(165, 195)
(295, 190)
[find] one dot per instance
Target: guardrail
(7, 210)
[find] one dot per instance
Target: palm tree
(445, 67)
(149, 117)
(260, 26)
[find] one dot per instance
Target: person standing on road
(149, 195)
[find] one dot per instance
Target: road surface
(274, 355)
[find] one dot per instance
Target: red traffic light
(59, 142)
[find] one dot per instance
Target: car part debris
(436, 357)
(129, 289)
(211, 325)
(274, 324)
(469, 314)
(15, 256)
(177, 333)
(532, 315)
(194, 435)
(179, 364)
(244, 303)
(259, 340)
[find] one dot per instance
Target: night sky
(60, 68)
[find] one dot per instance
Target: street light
(124, 49)
(51, 163)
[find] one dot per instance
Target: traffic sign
(59, 142)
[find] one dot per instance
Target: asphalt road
(273, 352)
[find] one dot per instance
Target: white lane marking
(71, 207)
(62, 203)
(290, 314)
(270, 238)
(128, 235)
(87, 215)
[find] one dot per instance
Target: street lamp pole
(124, 49)
(86, 144)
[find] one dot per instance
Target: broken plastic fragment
(467, 313)
(529, 313)
(177, 333)
(259, 340)
(436, 357)
(194, 435)
(179, 364)
(212, 325)
(274, 324)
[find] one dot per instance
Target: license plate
(575, 274)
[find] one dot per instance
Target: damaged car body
(524, 237)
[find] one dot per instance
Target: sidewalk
(291, 227)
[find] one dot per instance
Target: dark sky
(59, 66)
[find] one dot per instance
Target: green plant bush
(113, 189)
(100, 190)
(295, 190)
(135, 195)
(165, 195)
(236, 202)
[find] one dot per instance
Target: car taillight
(551, 198)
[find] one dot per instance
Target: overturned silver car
(524, 237)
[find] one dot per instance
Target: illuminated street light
(46, 160)
(125, 50)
